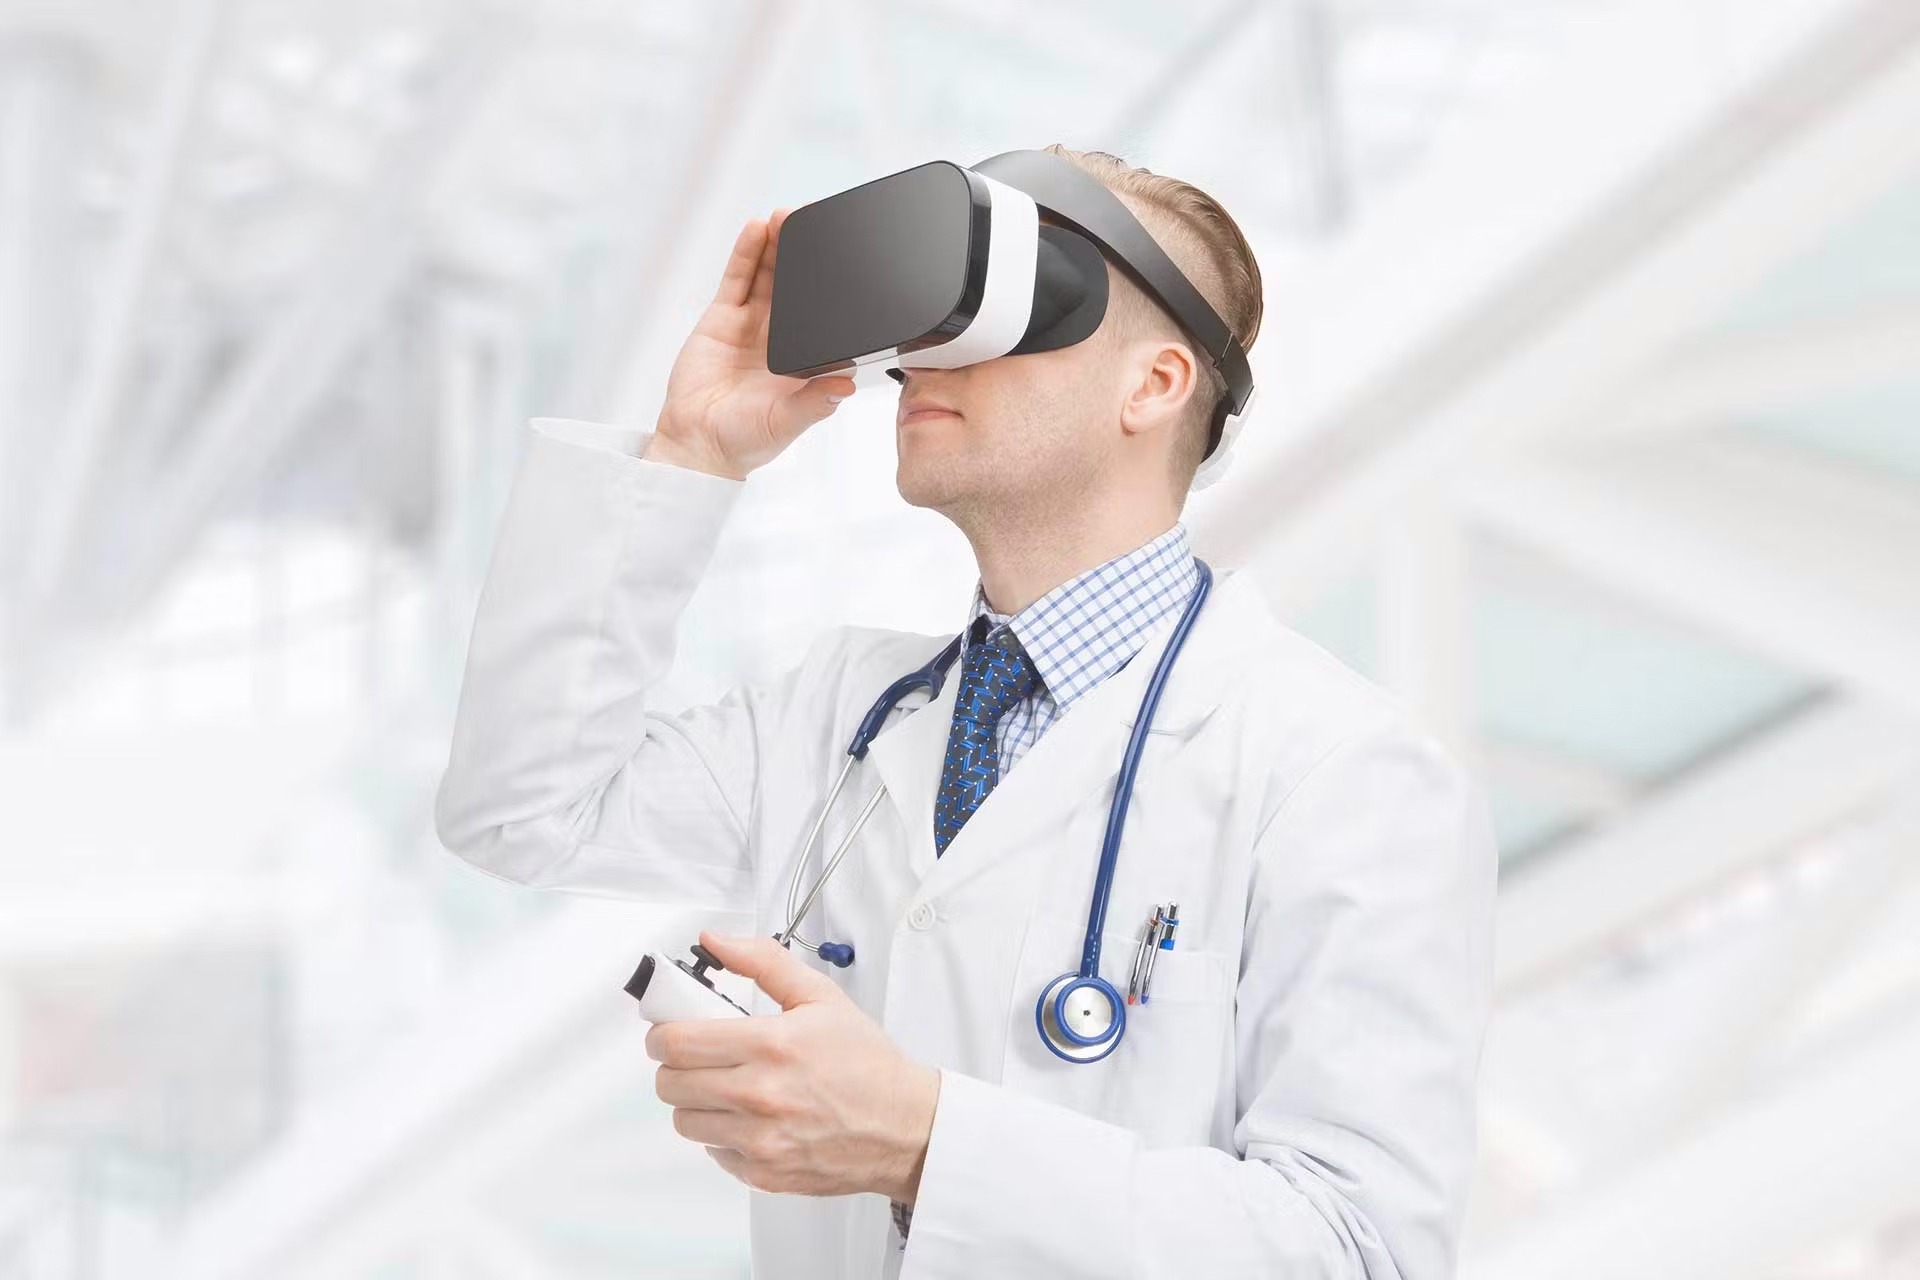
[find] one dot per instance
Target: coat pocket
(1165, 1076)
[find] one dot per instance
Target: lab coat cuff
(597, 464)
(1015, 1185)
(626, 444)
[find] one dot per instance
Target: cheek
(1039, 398)
(1067, 408)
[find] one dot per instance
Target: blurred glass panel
(1626, 692)
(1876, 427)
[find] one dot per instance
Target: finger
(775, 220)
(721, 1042)
(762, 291)
(700, 1088)
(737, 280)
(725, 1129)
(776, 970)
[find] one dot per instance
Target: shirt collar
(1090, 626)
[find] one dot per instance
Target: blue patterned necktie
(994, 676)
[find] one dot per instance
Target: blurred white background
(1590, 421)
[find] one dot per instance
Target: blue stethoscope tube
(1080, 1016)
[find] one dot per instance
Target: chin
(922, 482)
(914, 488)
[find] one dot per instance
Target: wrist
(667, 449)
(920, 1101)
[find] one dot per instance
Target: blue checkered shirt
(1077, 635)
(1086, 629)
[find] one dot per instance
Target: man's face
(1004, 434)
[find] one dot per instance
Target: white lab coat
(1298, 1098)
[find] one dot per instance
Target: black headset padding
(1069, 292)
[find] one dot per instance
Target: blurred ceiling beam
(1541, 308)
(1747, 1027)
(1307, 83)
(1807, 565)
(580, 1074)
(1182, 73)
(1755, 804)
(1763, 373)
(449, 1103)
(1823, 1153)
(114, 335)
(265, 403)
(657, 286)
(45, 107)
(872, 28)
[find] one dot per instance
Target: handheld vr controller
(671, 990)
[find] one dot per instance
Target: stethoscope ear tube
(929, 677)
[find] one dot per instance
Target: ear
(1162, 377)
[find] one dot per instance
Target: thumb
(773, 968)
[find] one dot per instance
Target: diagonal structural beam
(1700, 830)
(44, 72)
(266, 402)
(347, 1181)
(1756, 374)
(1804, 1162)
(113, 345)
(1808, 565)
(623, 370)
(1184, 72)
(1620, 259)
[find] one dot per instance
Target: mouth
(918, 409)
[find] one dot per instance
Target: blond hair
(1207, 245)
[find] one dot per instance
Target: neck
(1022, 559)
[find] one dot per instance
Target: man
(1296, 1100)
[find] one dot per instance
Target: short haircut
(1207, 245)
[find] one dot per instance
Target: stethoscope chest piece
(1081, 1018)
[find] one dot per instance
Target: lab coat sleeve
(1363, 993)
(561, 774)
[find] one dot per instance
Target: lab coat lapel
(907, 754)
(1078, 754)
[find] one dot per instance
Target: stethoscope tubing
(1129, 766)
(930, 678)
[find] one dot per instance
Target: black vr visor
(941, 266)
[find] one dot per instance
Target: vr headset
(941, 266)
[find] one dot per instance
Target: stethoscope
(1080, 1015)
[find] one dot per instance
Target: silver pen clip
(1148, 939)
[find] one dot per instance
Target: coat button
(922, 916)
